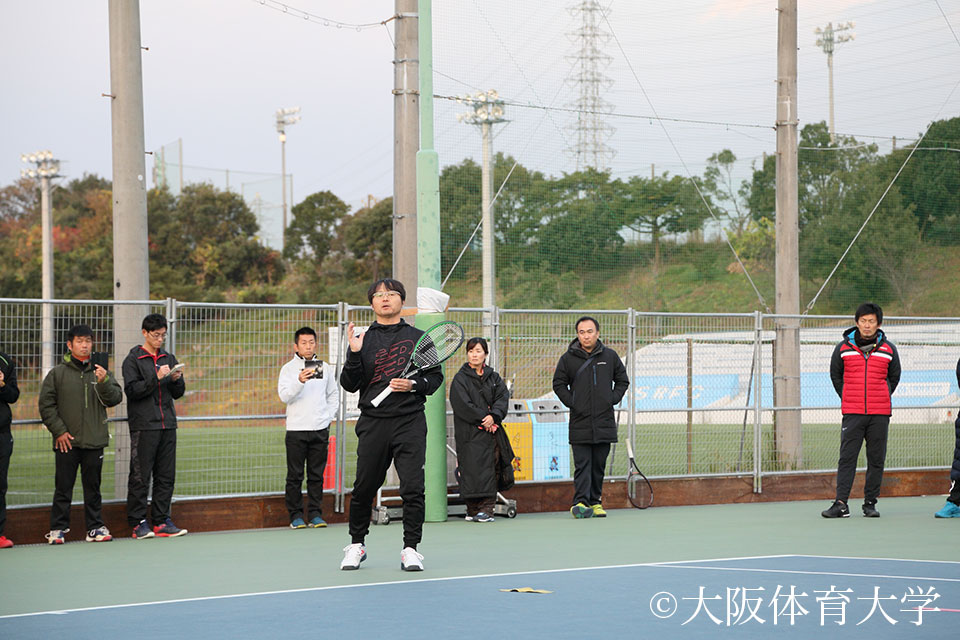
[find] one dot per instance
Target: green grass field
(230, 459)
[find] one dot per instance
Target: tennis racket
(639, 490)
(437, 343)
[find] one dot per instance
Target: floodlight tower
(828, 38)
(46, 167)
(486, 111)
(285, 117)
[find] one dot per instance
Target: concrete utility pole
(786, 376)
(47, 168)
(487, 110)
(131, 267)
(828, 38)
(406, 131)
(285, 117)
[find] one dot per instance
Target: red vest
(865, 389)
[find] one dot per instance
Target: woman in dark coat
(479, 399)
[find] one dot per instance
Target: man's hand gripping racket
(437, 343)
(639, 490)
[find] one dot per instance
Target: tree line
(554, 234)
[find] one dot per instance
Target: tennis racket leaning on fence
(437, 343)
(639, 490)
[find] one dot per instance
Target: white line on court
(868, 558)
(807, 573)
(667, 565)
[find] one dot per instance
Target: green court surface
(40, 578)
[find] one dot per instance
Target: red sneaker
(5, 542)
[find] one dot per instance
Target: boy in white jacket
(310, 391)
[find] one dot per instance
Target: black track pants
(402, 440)
(855, 428)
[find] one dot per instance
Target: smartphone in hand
(317, 366)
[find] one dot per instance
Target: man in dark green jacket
(590, 379)
(73, 405)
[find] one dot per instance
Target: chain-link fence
(701, 400)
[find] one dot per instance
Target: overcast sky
(217, 70)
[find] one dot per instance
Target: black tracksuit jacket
(149, 399)
(385, 352)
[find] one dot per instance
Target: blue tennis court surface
(794, 595)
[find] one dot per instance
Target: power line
(321, 20)
(636, 116)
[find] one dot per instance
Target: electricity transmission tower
(589, 146)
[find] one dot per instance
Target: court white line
(347, 586)
(798, 555)
(809, 573)
(686, 564)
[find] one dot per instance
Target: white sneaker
(56, 536)
(353, 555)
(100, 534)
(410, 560)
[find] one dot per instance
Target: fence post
(689, 406)
(338, 500)
(171, 325)
(757, 404)
(632, 369)
(495, 338)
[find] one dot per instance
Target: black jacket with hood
(473, 397)
(150, 399)
(592, 393)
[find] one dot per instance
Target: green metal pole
(428, 266)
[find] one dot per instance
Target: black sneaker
(870, 510)
(837, 510)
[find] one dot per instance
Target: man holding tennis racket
(590, 379)
(391, 428)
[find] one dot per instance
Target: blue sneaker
(168, 530)
(948, 510)
(298, 523)
(142, 531)
(317, 522)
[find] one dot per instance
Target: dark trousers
(380, 440)
(589, 461)
(308, 447)
(6, 450)
(854, 429)
(478, 505)
(153, 454)
(90, 462)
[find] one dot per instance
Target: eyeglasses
(157, 335)
(385, 294)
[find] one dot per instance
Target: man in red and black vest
(865, 370)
